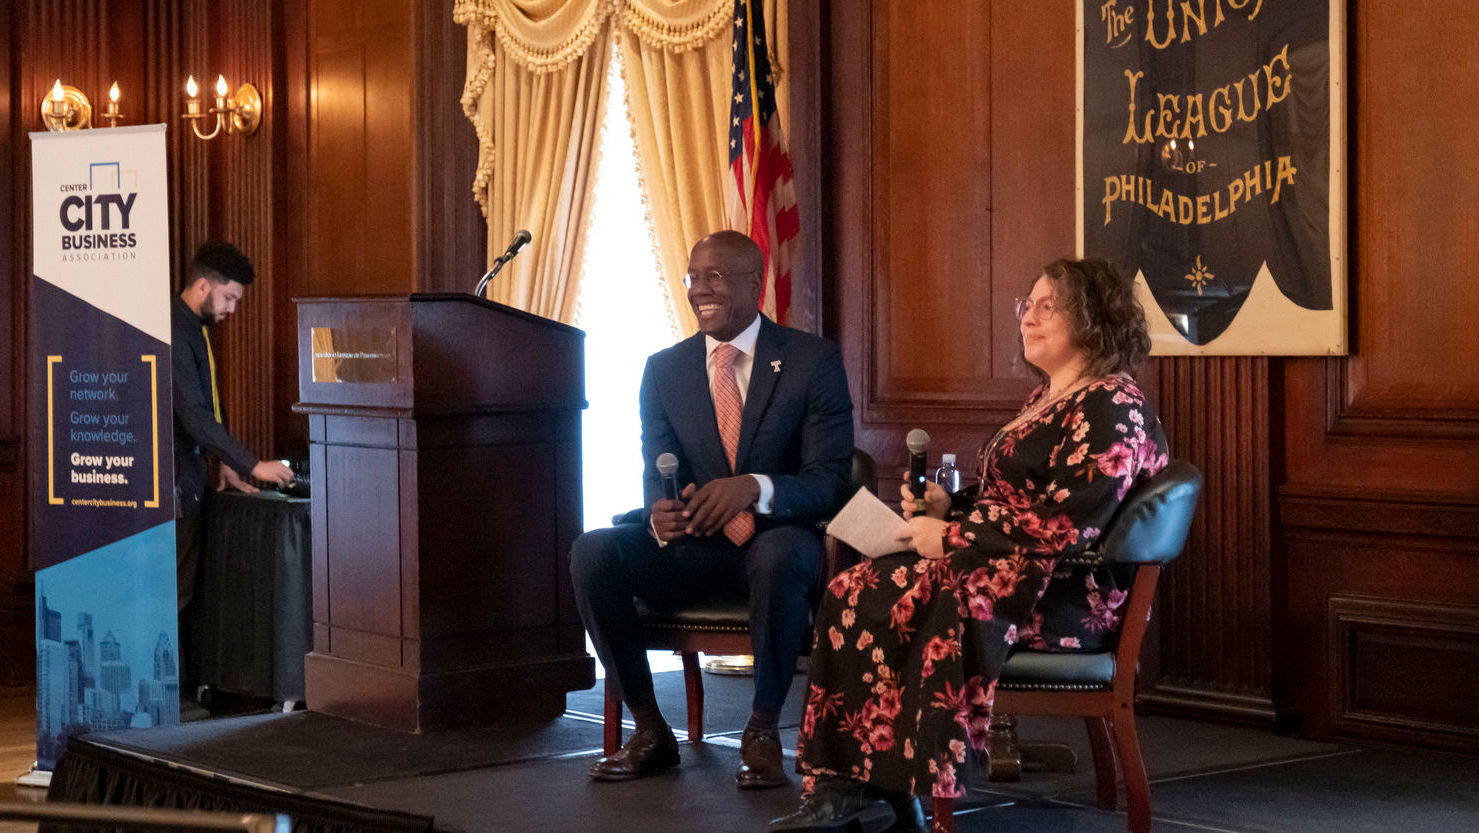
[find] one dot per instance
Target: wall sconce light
(240, 113)
(66, 108)
(112, 114)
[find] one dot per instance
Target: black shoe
(645, 752)
(908, 813)
(838, 806)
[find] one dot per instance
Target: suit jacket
(796, 426)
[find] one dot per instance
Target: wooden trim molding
(1348, 415)
(1380, 647)
(1427, 515)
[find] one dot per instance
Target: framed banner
(1211, 165)
(102, 470)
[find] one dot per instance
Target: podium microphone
(521, 239)
(667, 466)
(918, 442)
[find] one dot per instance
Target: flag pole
(754, 116)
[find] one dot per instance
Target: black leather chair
(1149, 530)
(720, 625)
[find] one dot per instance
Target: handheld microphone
(521, 239)
(918, 442)
(667, 466)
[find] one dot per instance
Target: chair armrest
(631, 516)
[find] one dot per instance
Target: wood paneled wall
(1380, 503)
(1330, 572)
(1214, 631)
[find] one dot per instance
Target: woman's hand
(936, 500)
(926, 536)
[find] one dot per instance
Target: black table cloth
(252, 618)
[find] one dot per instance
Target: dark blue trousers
(777, 568)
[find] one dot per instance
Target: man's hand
(667, 517)
(718, 501)
(227, 478)
(936, 500)
(272, 471)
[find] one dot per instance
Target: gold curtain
(535, 85)
(676, 65)
(536, 78)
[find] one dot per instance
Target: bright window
(626, 315)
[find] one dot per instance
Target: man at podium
(760, 420)
(218, 277)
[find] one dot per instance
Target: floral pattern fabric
(908, 649)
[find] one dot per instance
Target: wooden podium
(444, 452)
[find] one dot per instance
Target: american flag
(762, 199)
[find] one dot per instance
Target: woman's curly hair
(1105, 318)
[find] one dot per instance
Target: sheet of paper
(869, 526)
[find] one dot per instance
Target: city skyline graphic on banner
(94, 672)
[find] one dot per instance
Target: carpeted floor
(533, 777)
(726, 701)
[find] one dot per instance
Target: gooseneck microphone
(667, 467)
(521, 239)
(918, 442)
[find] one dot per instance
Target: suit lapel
(764, 373)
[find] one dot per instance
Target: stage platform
(331, 774)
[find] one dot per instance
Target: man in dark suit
(218, 277)
(760, 419)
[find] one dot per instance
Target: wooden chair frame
(1109, 715)
(689, 640)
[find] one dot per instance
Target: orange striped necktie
(727, 410)
(210, 359)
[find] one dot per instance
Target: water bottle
(948, 476)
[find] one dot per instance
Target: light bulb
(191, 88)
(113, 93)
(221, 85)
(56, 90)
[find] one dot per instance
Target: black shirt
(196, 431)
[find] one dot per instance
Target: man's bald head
(725, 274)
(736, 248)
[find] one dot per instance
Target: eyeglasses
(713, 279)
(1046, 308)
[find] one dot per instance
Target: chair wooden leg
(942, 819)
(693, 683)
(611, 720)
(1003, 755)
(1106, 767)
(1137, 782)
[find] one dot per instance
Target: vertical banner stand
(99, 438)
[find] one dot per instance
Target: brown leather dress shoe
(645, 752)
(761, 764)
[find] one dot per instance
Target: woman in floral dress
(909, 646)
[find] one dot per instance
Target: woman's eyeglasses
(1046, 308)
